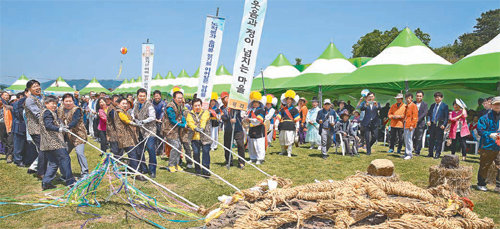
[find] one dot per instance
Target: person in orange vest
(411, 119)
(397, 117)
(303, 116)
(5, 130)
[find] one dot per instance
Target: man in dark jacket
(371, 120)
(159, 106)
(488, 128)
(437, 119)
(419, 130)
(24, 152)
(232, 117)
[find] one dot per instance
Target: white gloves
(494, 135)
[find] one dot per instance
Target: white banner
(147, 66)
(246, 53)
(214, 28)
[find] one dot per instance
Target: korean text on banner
(147, 66)
(214, 28)
(246, 53)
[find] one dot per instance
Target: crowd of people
(39, 132)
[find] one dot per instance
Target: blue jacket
(18, 124)
(324, 116)
(371, 114)
(442, 114)
(487, 125)
(159, 108)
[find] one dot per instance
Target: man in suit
(437, 118)
(422, 113)
(371, 120)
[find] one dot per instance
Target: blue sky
(82, 39)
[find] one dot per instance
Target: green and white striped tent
(168, 82)
(136, 85)
(478, 71)
(127, 88)
(156, 83)
(184, 81)
(59, 87)
(403, 63)
(94, 86)
(330, 66)
(19, 85)
(194, 79)
(275, 74)
(121, 88)
(222, 80)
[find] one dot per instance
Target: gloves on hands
(494, 136)
(63, 129)
(197, 129)
(133, 123)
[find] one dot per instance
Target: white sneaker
(289, 155)
(312, 147)
(258, 162)
(190, 166)
(482, 188)
(407, 158)
(319, 147)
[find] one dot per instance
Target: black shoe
(47, 186)
(429, 155)
(368, 153)
(20, 164)
(325, 157)
(31, 171)
(140, 178)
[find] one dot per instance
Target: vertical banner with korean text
(246, 53)
(147, 66)
(214, 28)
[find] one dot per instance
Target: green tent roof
(95, 86)
(275, 74)
(121, 88)
(222, 71)
(170, 75)
(59, 87)
(329, 66)
(183, 73)
(197, 73)
(406, 38)
(331, 52)
(479, 70)
(19, 85)
(406, 59)
(158, 77)
(280, 61)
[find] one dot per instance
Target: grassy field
(304, 167)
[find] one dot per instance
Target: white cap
(327, 101)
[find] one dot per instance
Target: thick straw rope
(350, 201)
